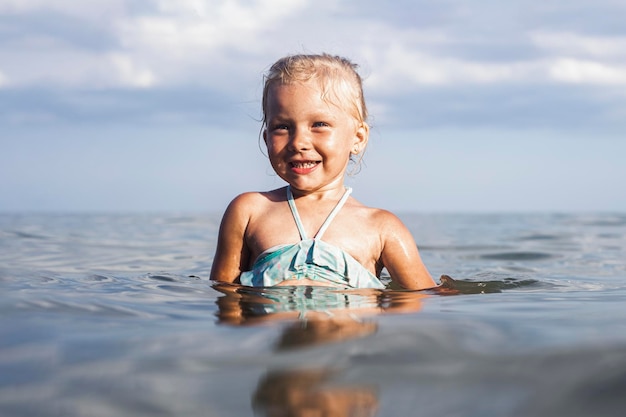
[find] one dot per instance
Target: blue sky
(153, 105)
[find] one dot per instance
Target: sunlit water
(113, 315)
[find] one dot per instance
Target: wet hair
(338, 77)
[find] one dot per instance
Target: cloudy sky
(152, 105)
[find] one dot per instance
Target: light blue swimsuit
(311, 259)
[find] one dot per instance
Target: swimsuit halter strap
(333, 213)
(329, 219)
(294, 212)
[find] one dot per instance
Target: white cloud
(47, 62)
(401, 67)
(92, 10)
(168, 42)
(202, 42)
(583, 59)
(412, 61)
(569, 43)
(129, 74)
(225, 44)
(4, 81)
(578, 71)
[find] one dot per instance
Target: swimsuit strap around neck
(329, 219)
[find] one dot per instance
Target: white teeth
(304, 164)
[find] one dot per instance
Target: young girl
(312, 232)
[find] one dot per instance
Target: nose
(299, 140)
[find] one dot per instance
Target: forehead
(296, 89)
(310, 92)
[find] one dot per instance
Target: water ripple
(517, 256)
(456, 286)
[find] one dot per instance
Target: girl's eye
(280, 127)
(320, 124)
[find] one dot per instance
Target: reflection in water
(324, 330)
(315, 316)
(450, 286)
(315, 391)
(250, 305)
(312, 393)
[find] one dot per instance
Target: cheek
(274, 148)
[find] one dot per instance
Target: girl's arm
(232, 253)
(401, 257)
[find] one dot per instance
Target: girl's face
(309, 140)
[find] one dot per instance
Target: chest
(348, 231)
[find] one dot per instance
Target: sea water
(114, 315)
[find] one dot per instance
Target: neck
(328, 193)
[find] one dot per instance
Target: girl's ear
(361, 137)
(265, 136)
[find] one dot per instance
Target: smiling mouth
(304, 164)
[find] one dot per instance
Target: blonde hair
(338, 77)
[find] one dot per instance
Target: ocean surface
(114, 315)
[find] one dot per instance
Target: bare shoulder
(381, 225)
(393, 231)
(383, 220)
(249, 211)
(247, 200)
(233, 251)
(398, 250)
(387, 218)
(250, 203)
